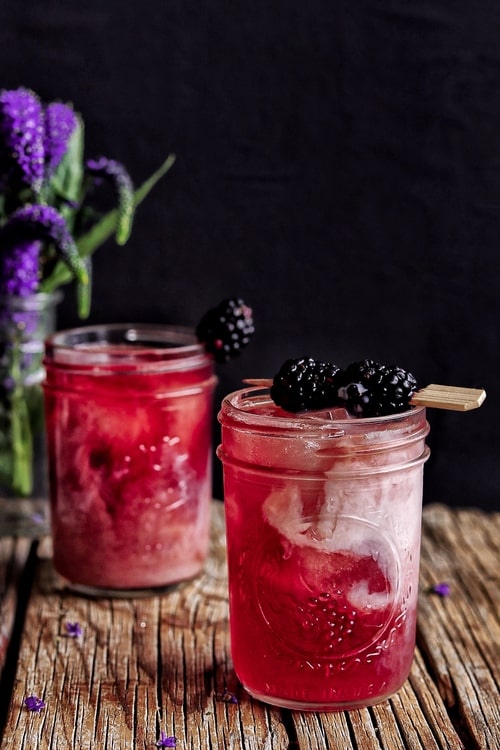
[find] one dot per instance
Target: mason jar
(323, 516)
(128, 418)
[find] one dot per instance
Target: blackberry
(304, 384)
(226, 329)
(369, 389)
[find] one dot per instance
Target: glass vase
(25, 322)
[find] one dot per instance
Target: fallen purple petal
(441, 589)
(166, 741)
(74, 629)
(34, 703)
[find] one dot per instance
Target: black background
(338, 166)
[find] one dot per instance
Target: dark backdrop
(338, 166)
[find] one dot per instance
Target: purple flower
(33, 703)
(118, 175)
(37, 222)
(22, 133)
(165, 741)
(441, 589)
(19, 277)
(74, 629)
(60, 122)
(19, 269)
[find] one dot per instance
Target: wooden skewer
(449, 397)
(454, 398)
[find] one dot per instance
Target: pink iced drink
(129, 441)
(323, 533)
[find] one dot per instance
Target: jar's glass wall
(323, 533)
(128, 413)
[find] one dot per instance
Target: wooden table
(162, 664)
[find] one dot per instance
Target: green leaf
(102, 230)
(67, 180)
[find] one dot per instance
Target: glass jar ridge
(145, 346)
(327, 443)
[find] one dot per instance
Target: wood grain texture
(147, 665)
(13, 556)
(460, 634)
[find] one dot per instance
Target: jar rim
(126, 344)
(245, 406)
(32, 302)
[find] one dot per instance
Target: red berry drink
(323, 518)
(128, 420)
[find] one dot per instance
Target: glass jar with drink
(128, 419)
(323, 514)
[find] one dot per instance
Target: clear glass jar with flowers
(50, 226)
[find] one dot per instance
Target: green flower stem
(84, 292)
(101, 231)
(21, 439)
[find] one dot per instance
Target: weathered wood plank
(426, 695)
(143, 666)
(322, 730)
(13, 557)
(197, 670)
(459, 634)
(414, 718)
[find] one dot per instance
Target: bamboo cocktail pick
(452, 397)
(449, 397)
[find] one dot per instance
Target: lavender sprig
(60, 123)
(112, 170)
(103, 229)
(48, 234)
(38, 222)
(19, 268)
(22, 132)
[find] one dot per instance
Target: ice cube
(334, 414)
(361, 598)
